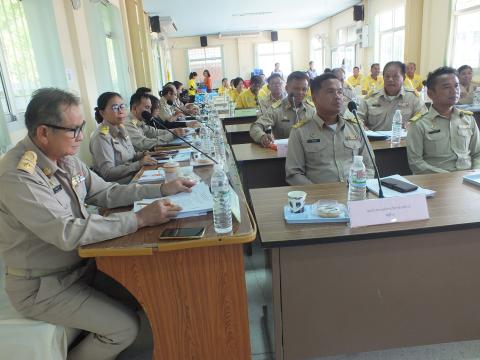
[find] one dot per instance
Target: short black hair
(274, 76)
(256, 80)
(46, 107)
(374, 64)
(464, 67)
(143, 89)
(155, 103)
(192, 75)
(224, 79)
(177, 84)
(316, 83)
(137, 98)
(399, 64)
(167, 88)
(356, 67)
(433, 76)
(297, 75)
(237, 81)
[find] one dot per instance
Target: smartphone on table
(398, 185)
(182, 233)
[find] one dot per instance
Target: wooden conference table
(262, 167)
(242, 116)
(193, 291)
(338, 290)
(238, 134)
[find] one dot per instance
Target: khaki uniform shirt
(266, 102)
(317, 153)
(42, 213)
(113, 155)
(348, 95)
(280, 117)
(377, 110)
(436, 144)
(143, 136)
(166, 111)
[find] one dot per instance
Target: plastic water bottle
(222, 211)
(396, 128)
(357, 182)
(476, 96)
(205, 139)
(219, 147)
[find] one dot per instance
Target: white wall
(239, 53)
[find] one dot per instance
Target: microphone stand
(294, 108)
(155, 122)
(375, 168)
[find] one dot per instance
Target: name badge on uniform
(309, 141)
(285, 120)
(403, 103)
(351, 137)
(376, 105)
(434, 131)
(57, 188)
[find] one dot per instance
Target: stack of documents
(152, 176)
(378, 135)
(196, 203)
(473, 178)
(181, 155)
(372, 185)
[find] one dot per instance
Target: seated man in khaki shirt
(282, 115)
(444, 138)
(143, 136)
(44, 220)
(377, 110)
(276, 86)
(321, 148)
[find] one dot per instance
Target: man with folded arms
(444, 138)
(282, 115)
(321, 148)
(44, 220)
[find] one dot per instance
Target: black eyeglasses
(76, 131)
(118, 107)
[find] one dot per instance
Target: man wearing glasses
(43, 220)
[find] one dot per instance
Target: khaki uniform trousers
(94, 303)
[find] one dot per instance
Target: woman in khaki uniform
(113, 155)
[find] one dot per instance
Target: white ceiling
(213, 16)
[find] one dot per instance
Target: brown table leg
(195, 299)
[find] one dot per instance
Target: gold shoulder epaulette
(300, 124)
(417, 116)
(310, 102)
(134, 122)
(350, 118)
(28, 162)
(104, 130)
(466, 112)
(276, 104)
(417, 94)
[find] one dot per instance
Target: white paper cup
(296, 201)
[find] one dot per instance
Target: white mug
(296, 201)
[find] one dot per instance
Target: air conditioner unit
(167, 25)
(239, 34)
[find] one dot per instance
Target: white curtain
(4, 135)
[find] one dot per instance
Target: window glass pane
(266, 63)
(213, 52)
(385, 21)
(266, 48)
(352, 34)
(342, 35)
(18, 58)
(398, 45)
(318, 58)
(466, 4)
(386, 48)
(112, 65)
(281, 47)
(467, 40)
(285, 61)
(349, 58)
(399, 17)
(194, 54)
(209, 58)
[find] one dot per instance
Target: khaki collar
(48, 166)
(321, 123)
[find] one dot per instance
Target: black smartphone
(182, 233)
(398, 185)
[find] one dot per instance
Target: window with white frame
(317, 47)
(344, 54)
(390, 35)
(207, 58)
(465, 46)
(18, 71)
(274, 52)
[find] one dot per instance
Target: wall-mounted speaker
(203, 41)
(155, 23)
(358, 13)
(274, 35)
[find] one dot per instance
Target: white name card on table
(388, 210)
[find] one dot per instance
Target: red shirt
(208, 83)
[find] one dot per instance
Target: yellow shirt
(233, 93)
(308, 95)
(370, 85)
(355, 81)
(264, 92)
(247, 100)
(192, 87)
(221, 90)
(414, 84)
